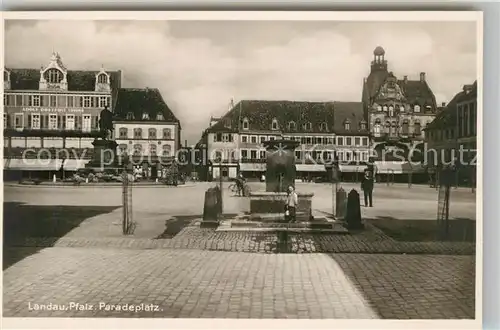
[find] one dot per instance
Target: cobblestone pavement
(188, 283)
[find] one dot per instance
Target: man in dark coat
(367, 184)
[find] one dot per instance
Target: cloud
(198, 68)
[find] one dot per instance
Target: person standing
(292, 201)
(367, 185)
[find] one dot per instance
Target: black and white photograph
(226, 167)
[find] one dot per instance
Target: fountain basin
(264, 203)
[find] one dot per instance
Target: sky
(199, 66)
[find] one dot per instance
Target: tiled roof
(84, 81)
(418, 92)
(260, 115)
(447, 116)
(140, 101)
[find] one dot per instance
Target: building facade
(398, 110)
(147, 130)
(52, 113)
(452, 136)
(325, 130)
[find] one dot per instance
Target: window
(292, 126)
(244, 154)
(405, 128)
(348, 141)
(227, 137)
(246, 125)
(218, 156)
(137, 133)
(69, 101)
(298, 154)
(159, 116)
(152, 149)
(70, 122)
(102, 78)
(262, 154)
(35, 100)
(402, 108)
(103, 101)
(18, 120)
(347, 125)
(253, 154)
(53, 76)
(123, 149)
(331, 141)
(5, 100)
(86, 101)
(357, 141)
(340, 141)
(167, 133)
(244, 139)
(417, 129)
(123, 132)
(379, 108)
(271, 138)
(306, 126)
(137, 149)
(363, 125)
(5, 120)
(130, 116)
(152, 133)
(262, 139)
(53, 101)
(87, 123)
(417, 108)
(323, 127)
(166, 150)
(365, 141)
(253, 138)
(5, 75)
(391, 111)
(52, 121)
(275, 125)
(145, 116)
(385, 108)
(308, 140)
(35, 121)
(377, 127)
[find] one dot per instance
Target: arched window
(246, 124)
(152, 149)
(102, 78)
(417, 108)
(137, 149)
(377, 127)
(405, 128)
(292, 126)
(391, 111)
(385, 108)
(402, 108)
(53, 76)
(152, 133)
(307, 126)
(137, 133)
(275, 125)
(166, 150)
(167, 133)
(417, 130)
(123, 132)
(379, 108)
(388, 127)
(323, 127)
(123, 149)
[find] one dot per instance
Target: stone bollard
(211, 209)
(353, 212)
(341, 202)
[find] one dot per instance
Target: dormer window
(130, 115)
(347, 125)
(363, 125)
(159, 116)
(323, 127)
(246, 124)
(292, 126)
(145, 116)
(385, 108)
(379, 108)
(402, 108)
(227, 123)
(102, 78)
(307, 126)
(53, 76)
(274, 124)
(417, 108)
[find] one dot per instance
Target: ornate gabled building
(146, 129)
(53, 113)
(324, 129)
(397, 110)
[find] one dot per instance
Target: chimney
(467, 89)
(422, 76)
(443, 104)
(186, 143)
(405, 79)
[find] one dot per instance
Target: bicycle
(233, 187)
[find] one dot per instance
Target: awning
(253, 167)
(398, 167)
(352, 168)
(310, 168)
(74, 164)
(32, 164)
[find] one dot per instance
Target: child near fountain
(292, 201)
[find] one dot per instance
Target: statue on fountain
(106, 124)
